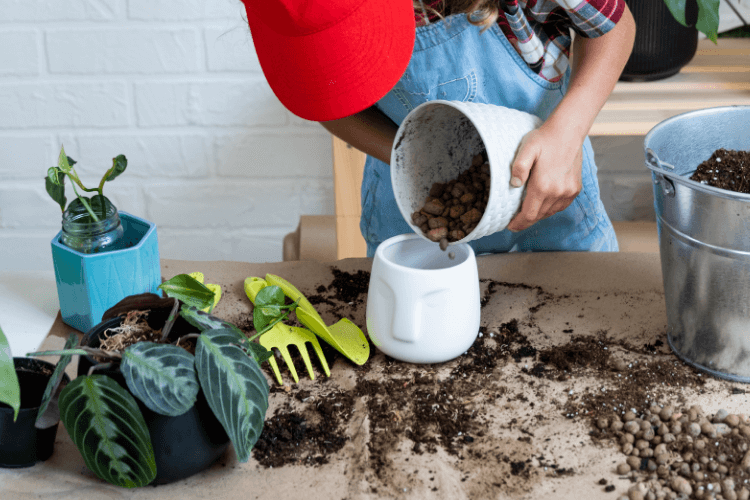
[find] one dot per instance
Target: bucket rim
(691, 114)
(659, 167)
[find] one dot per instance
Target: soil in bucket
(454, 208)
(726, 169)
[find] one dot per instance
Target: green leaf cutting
(119, 164)
(188, 290)
(269, 305)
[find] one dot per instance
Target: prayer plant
(103, 419)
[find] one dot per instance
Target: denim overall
(452, 60)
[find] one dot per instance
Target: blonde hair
(479, 12)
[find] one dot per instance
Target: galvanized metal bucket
(704, 240)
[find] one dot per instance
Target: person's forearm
(597, 65)
(370, 131)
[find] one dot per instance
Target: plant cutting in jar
(165, 374)
(96, 206)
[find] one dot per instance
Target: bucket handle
(654, 163)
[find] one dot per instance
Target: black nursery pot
(21, 443)
(183, 445)
(662, 45)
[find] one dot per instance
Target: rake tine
(321, 357)
(289, 363)
(306, 358)
(309, 337)
(276, 371)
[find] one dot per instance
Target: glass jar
(83, 234)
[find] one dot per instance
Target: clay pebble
(454, 208)
(687, 456)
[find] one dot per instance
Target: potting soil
(725, 169)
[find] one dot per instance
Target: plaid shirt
(539, 29)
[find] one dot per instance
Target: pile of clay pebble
(680, 455)
(453, 209)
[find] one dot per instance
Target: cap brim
(343, 69)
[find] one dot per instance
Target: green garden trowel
(344, 336)
(281, 336)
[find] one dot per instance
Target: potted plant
(28, 417)
(162, 387)
(101, 255)
(667, 35)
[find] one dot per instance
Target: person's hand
(551, 162)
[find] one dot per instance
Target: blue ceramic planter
(89, 284)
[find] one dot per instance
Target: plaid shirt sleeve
(589, 18)
(539, 29)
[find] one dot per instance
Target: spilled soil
(520, 407)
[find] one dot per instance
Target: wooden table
(553, 296)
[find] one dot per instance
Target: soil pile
(726, 169)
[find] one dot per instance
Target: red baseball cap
(328, 59)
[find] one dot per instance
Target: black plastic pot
(183, 445)
(22, 444)
(662, 45)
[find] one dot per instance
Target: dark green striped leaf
(107, 427)
(204, 321)
(162, 376)
(235, 388)
(49, 411)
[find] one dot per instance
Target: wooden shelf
(718, 75)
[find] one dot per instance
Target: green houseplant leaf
(204, 321)
(188, 290)
(10, 390)
(269, 305)
(708, 19)
(162, 376)
(63, 162)
(54, 183)
(49, 410)
(119, 164)
(107, 427)
(235, 388)
(708, 16)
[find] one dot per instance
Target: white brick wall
(213, 158)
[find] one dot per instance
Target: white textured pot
(437, 141)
